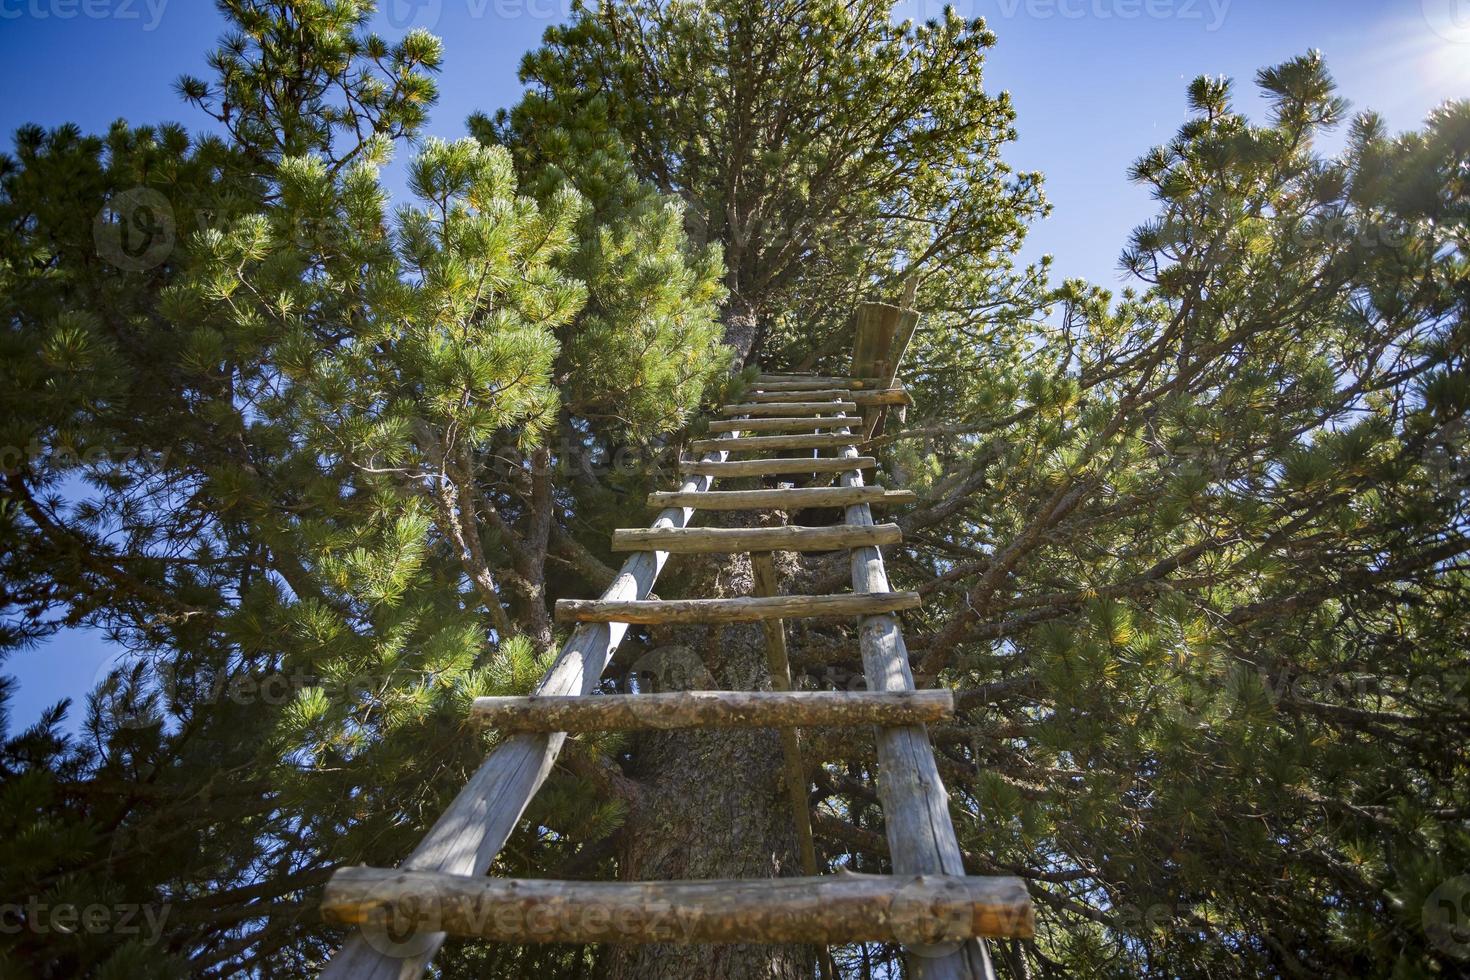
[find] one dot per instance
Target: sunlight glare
(1446, 54)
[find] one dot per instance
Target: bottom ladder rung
(827, 910)
(712, 709)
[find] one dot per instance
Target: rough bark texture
(712, 803)
(795, 498)
(786, 409)
(834, 908)
(774, 465)
(751, 444)
(734, 540)
(743, 609)
(742, 327)
(795, 423)
(812, 395)
(673, 710)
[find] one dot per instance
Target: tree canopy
(318, 464)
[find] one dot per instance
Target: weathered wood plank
(872, 331)
(711, 709)
(781, 424)
(921, 837)
(787, 408)
(740, 609)
(813, 395)
(794, 498)
(885, 396)
(760, 443)
(473, 829)
(776, 383)
(776, 465)
(727, 540)
(831, 909)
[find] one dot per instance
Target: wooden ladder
(927, 903)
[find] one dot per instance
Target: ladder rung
(666, 711)
(883, 396)
(788, 408)
(825, 910)
(776, 465)
(783, 424)
(781, 499)
(740, 609)
(814, 384)
(820, 394)
(728, 540)
(746, 443)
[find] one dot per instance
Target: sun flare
(1445, 57)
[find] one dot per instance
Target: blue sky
(1095, 83)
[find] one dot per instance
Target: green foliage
(301, 454)
(293, 79)
(320, 463)
(1202, 547)
(829, 150)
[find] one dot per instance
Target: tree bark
(712, 804)
(742, 328)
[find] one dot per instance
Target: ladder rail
(477, 823)
(920, 831)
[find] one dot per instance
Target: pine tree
(830, 151)
(1193, 556)
(308, 461)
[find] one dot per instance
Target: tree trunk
(742, 330)
(712, 803)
